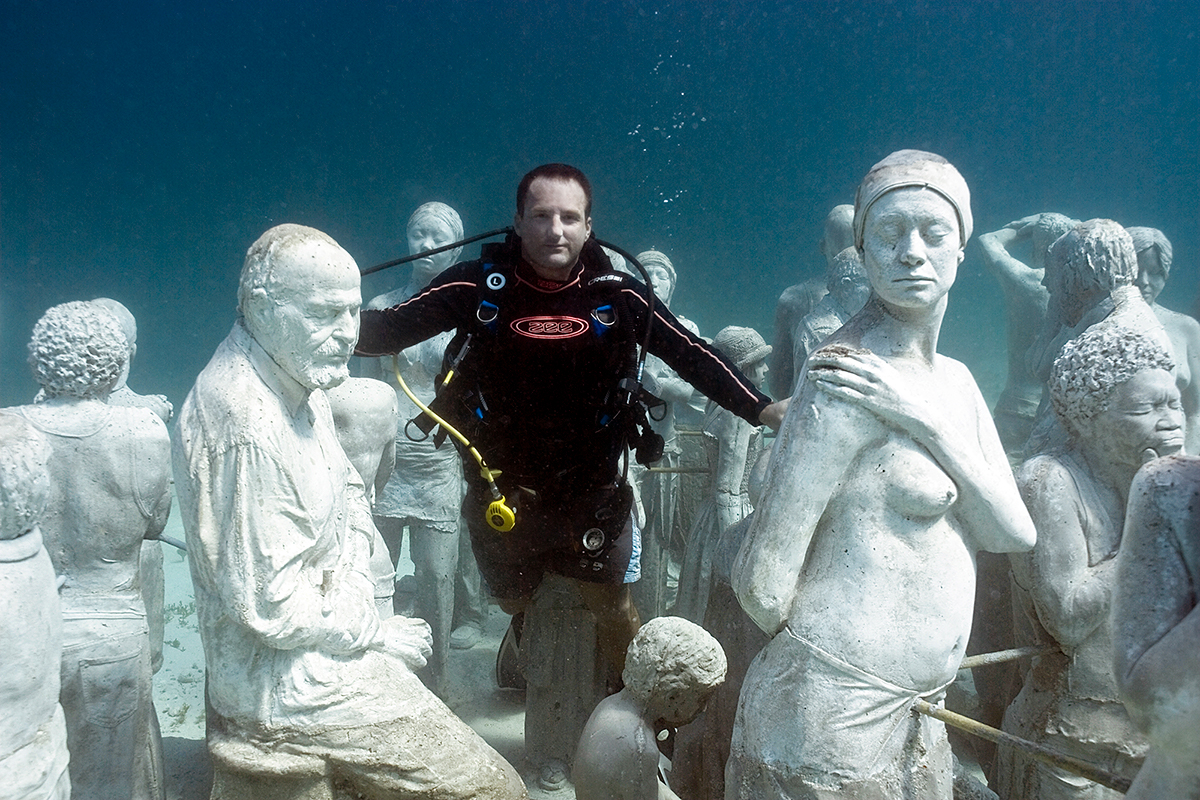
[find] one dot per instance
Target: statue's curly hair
(77, 349)
(1091, 367)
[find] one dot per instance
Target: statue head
(1087, 264)
(1046, 230)
(78, 350)
(299, 297)
(912, 219)
(24, 477)
(128, 326)
(914, 169)
(847, 281)
(838, 233)
(1113, 390)
(672, 667)
(1154, 257)
(662, 274)
(431, 226)
(746, 348)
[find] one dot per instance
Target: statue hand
(866, 380)
(408, 639)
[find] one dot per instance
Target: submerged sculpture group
(841, 594)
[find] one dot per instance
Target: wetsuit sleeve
(696, 361)
(447, 303)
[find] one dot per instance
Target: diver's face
(1144, 420)
(1151, 276)
(309, 322)
(553, 227)
(429, 234)
(911, 248)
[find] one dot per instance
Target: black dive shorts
(556, 535)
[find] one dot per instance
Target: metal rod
(1003, 656)
(680, 470)
(1037, 751)
(171, 540)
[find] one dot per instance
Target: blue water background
(145, 145)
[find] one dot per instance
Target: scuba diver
(541, 377)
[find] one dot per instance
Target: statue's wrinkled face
(1144, 420)
(911, 247)
(427, 234)
(308, 323)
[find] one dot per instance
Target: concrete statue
(848, 290)
(886, 479)
(796, 301)
(1154, 257)
(110, 490)
(308, 689)
(33, 731)
(365, 415)
(733, 446)
(662, 542)
(672, 667)
(1113, 391)
(1025, 299)
(1156, 626)
(425, 491)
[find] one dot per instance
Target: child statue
(672, 667)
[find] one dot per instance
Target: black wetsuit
(537, 391)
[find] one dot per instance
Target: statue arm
(819, 439)
(1071, 598)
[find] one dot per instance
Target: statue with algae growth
(1156, 625)
(887, 477)
(33, 731)
(109, 492)
(309, 690)
(1115, 396)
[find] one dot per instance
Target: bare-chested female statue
(1154, 257)
(1156, 625)
(887, 477)
(1113, 392)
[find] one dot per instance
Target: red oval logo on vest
(549, 327)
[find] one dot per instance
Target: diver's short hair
(558, 172)
(259, 268)
(24, 476)
(77, 349)
(672, 653)
(1097, 254)
(1153, 239)
(1091, 367)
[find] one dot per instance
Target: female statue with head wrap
(887, 477)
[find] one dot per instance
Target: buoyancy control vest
(540, 370)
